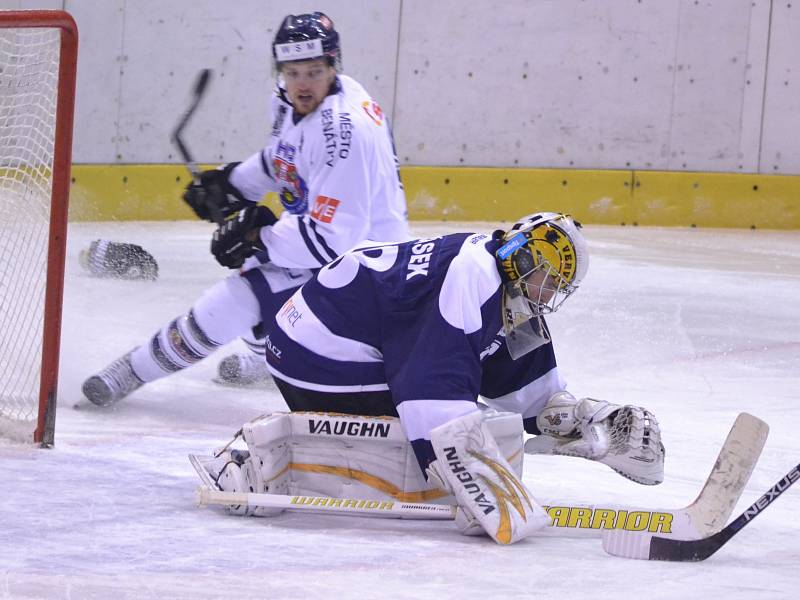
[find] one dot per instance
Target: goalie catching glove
(626, 438)
(214, 199)
(238, 239)
(490, 496)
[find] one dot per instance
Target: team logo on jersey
(274, 350)
(324, 209)
(289, 313)
(294, 192)
(373, 111)
(496, 344)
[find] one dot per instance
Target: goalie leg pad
(346, 456)
(338, 456)
(470, 465)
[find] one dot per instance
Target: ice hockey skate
(113, 383)
(243, 370)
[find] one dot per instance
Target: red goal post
(38, 61)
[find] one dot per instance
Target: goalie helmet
(542, 261)
(307, 37)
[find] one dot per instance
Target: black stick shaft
(696, 550)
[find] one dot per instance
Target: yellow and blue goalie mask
(542, 261)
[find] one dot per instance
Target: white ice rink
(696, 325)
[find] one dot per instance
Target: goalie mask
(307, 37)
(542, 261)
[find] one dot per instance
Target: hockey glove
(214, 198)
(118, 260)
(237, 239)
(626, 438)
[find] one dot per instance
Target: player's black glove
(214, 198)
(237, 239)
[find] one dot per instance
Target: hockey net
(38, 55)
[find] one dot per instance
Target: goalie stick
(198, 91)
(705, 516)
(650, 547)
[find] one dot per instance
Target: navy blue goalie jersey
(421, 319)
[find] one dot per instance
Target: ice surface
(697, 325)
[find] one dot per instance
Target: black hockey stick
(697, 550)
(199, 91)
(200, 86)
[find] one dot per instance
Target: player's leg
(273, 286)
(224, 312)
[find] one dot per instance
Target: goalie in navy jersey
(421, 330)
(330, 158)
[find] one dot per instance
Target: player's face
(540, 286)
(307, 83)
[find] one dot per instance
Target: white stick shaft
(320, 504)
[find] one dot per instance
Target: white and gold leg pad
(346, 456)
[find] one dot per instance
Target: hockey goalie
(412, 371)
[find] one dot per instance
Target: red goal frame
(62, 162)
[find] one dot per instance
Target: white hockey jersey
(336, 173)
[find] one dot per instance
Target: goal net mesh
(29, 61)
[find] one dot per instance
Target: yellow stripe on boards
(612, 197)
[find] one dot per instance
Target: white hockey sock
(174, 347)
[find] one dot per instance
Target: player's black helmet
(306, 37)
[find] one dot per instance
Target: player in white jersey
(331, 159)
(422, 329)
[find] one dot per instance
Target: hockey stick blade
(705, 516)
(660, 548)
(710, 511)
